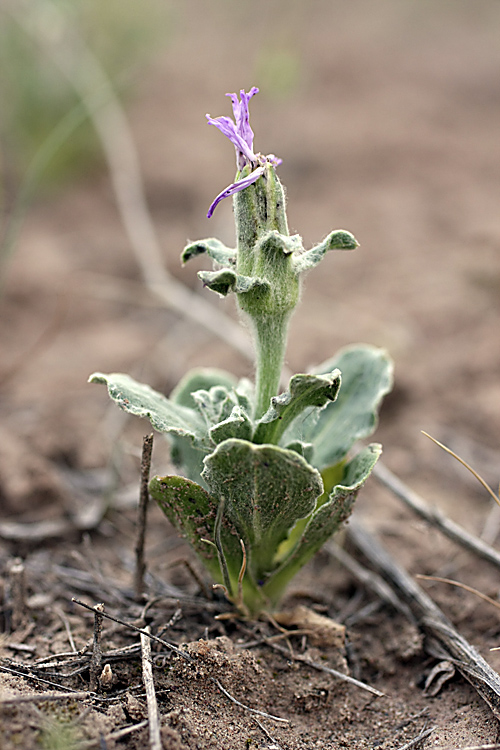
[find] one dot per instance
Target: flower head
(241, 136)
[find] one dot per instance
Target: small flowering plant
(267, 476)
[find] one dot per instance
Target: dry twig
(147, 676)
(16, 587)
(434, 516)
(140, 565)
(67, 628)
(183, 655)
(443, 641)
(113, 737)
(26, 672)
(469, 468)
(269, 736)
(324, 668)
(368, 578)
(129, 626)
(247, 708)
(462, 586)
(96, 658)
(420, 736)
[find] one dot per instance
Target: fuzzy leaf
(366, 378)
(266, 489)
(142, 401)
(214, 248)
(214, 405)
(273, 243)
(338, 240)
(225, 281)
(237, 425)
(222, 407)
(189, 458)
(184, 455)
(304, 391)
(192, 511)
(328, 518)
(222, 282)
(245, 393)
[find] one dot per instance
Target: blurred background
(387, 119)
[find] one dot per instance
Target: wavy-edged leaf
(142, 401)
(221, 406)
(340, 239)
(226, 280)
(304, 391)
(222, 282)
(266, 489)
(214, 248)
(366, 378)
(237, 425)
(214, 405)
(327, 519)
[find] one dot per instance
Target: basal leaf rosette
(281, 484)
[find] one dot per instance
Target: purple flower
(240, 134)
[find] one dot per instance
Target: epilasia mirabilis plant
(266, 475)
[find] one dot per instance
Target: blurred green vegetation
(280, 70)
(35, 97)
(58, 734)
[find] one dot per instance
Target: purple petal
(229, 129)
(235, 188)
(241, 115)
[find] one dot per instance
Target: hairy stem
(270, 345)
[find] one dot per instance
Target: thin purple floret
(235, 188)
(241, 115)
(241, 136)
(244, 153)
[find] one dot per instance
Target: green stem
(273, 591)
(270, 345)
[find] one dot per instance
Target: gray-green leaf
(215, 404)
(183, 452)
(305, 450)
(202, 378)
(226, 280)
(266, 489)
(237, 425)
(304, 391)
(366, 378)
(214, 248)
(192, 511)
(142, 401)
(327, 519)
(340, 239)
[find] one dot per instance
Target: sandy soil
(386, 119)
